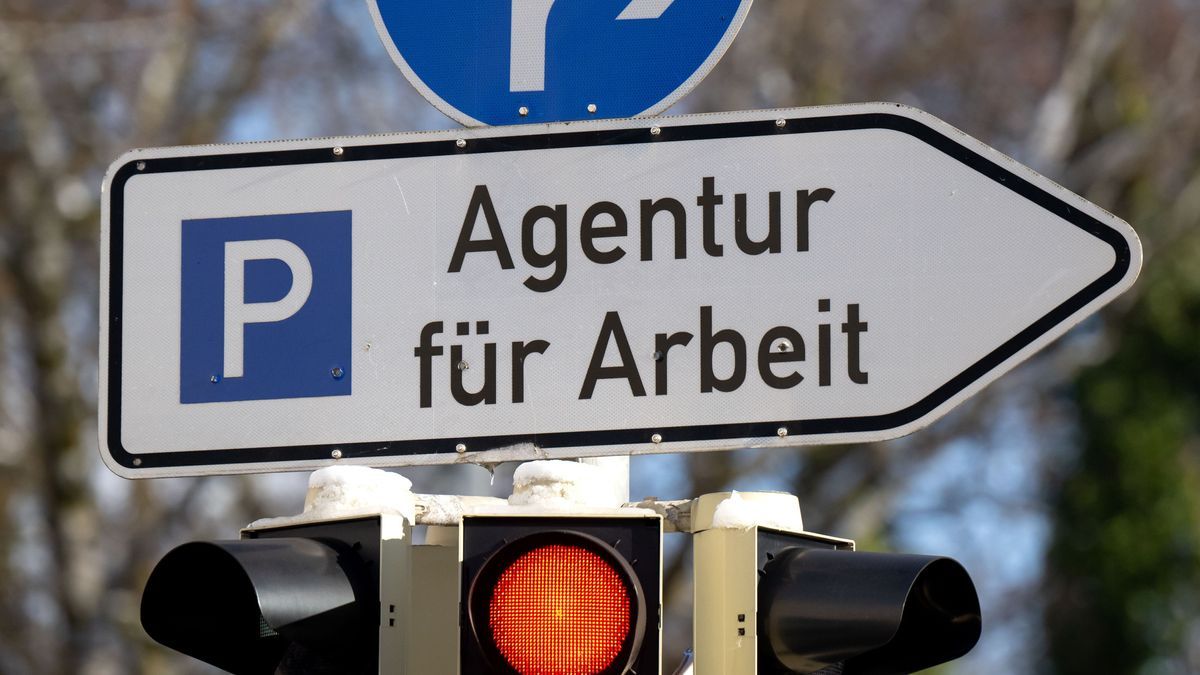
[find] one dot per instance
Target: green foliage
(1124, 566)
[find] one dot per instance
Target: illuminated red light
(560, 610)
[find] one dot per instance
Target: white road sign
(772, 278)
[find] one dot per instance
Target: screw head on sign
(782, 432)
(336, 454)
(656, 439)
(460, 448)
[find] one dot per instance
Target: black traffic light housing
(870, 613)
(292, 599)
(778, 601)
(630, 546)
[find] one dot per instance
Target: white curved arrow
(644, 9)
(527, 41)
(527, 45)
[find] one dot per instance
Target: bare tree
(80, 82)
(1097, 94)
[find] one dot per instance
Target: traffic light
(572, 594)
(538, 593)
(492, 594)
(314, 598)
(780, 601)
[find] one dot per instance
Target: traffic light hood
(242, 605)
(875, 613)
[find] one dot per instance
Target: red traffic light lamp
(571, 594)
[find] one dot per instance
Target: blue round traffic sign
(555, 60)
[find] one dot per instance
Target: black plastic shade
(873, 613)
(246, 606)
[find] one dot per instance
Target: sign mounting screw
(141, 166)
(336, 454)
(591, 108)
(337, 372)
(656, 439)
(655, 131)
(523, 111)
(462, 142)
(782, 432)
(781, 123)
(460, 448)
(339, 151)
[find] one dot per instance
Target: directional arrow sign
(748, 279)
(554, 60)
(644, 9)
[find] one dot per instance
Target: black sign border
(172, 461)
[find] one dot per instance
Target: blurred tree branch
(1098, 94)
(79, 83)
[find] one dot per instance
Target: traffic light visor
(238, 605)
(874, 613)
(557, 602)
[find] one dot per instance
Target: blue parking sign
(265, 307)
(520, 61)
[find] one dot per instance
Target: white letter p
(238, 312)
